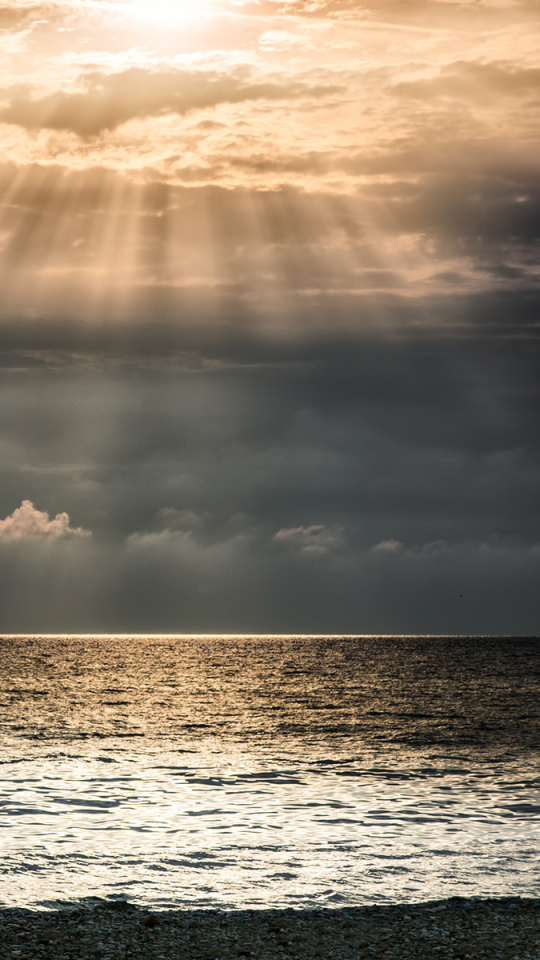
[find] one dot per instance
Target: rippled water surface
(268, 771)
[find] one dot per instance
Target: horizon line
(254, 635)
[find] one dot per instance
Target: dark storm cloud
(441, 432)
(172, 584)
(108, 100)
(333, 483)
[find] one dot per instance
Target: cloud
(282, 356)
(299, 533)
(282, 40)
(329, 449)
(473, 80)
(13, 14)
(388, 546)
(27, 523)
(106, 101)
(184, 269)
(313, 540)
(172, 583)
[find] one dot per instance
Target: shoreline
(454, 929)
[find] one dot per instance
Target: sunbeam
(321, 218)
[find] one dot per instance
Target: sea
(268, 771)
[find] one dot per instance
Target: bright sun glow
(166, 13)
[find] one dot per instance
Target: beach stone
(151, 920)
(118, 906)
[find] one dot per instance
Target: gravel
(458, 928)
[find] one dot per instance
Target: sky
(269, 316)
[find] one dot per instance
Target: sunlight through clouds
(275, 265)
(370, 123)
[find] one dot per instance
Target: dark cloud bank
(250, 495)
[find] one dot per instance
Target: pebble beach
(457, 929)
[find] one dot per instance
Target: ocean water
(268, 771)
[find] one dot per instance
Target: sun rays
(203, 160)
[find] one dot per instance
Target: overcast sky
(269, 316)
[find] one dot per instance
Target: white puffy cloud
(28, 523)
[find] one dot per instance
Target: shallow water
(268, 771)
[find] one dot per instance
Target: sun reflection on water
(273, 770)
